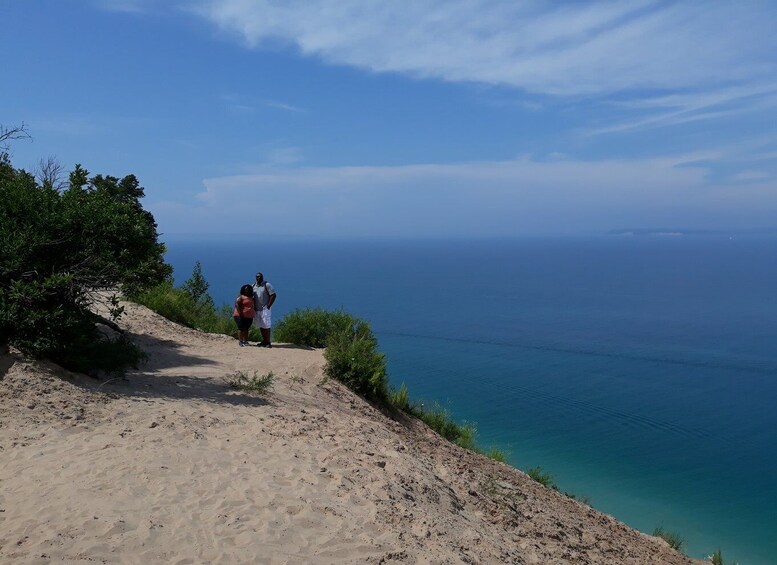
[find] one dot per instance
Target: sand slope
(171, 466)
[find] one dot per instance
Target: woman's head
(247, 290)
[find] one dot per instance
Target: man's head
(259, 278)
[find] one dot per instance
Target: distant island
(676, 232)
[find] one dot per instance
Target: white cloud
(282, 106)
(482, 198)
(567, 49)
(751, 176)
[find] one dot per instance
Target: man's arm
(271, 300)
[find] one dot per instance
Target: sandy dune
(172, 466)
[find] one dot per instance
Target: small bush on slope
(673, 539)
(352, 357)
(312, 326)
(255, 384)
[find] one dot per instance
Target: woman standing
(244, 313)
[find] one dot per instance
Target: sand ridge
(172, 466)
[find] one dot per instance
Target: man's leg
(265, 336)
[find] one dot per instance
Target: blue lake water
(640, 371)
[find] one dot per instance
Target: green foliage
(542, 477)
(351, 354)
(180, 306)
(312, 326)
(400, 399)
(581, 499)
(673, 539)
(352, 357)
(57, 248)
(173, 303)
(189, 305)
(112, 356)
(496, 454)
(440, 420)
(253, 384)
(116, 310)
(717, 558)
(197, 288)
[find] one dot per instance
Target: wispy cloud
(562, 49)
(282, 106)
(679, 108)
(242, 108)
(248, 104)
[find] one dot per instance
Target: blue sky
(402, 119)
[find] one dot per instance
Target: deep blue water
(641, 372)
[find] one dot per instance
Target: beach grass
(255, 384)
(673, 539)
(543, 477)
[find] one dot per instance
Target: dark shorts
(243, 323)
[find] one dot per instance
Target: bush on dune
(312, 326)
(352, 357)
(173, 303)
(61, 243)
(440, 420)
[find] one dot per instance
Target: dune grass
(543, 477)
(254, 384)
(673, 539)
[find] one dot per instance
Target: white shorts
(263, 318)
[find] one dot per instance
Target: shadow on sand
(147, 383)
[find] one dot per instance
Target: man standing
(264, 296)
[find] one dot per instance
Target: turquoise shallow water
(641, 372)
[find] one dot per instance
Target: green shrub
(312, 327)
(400, 399)
(179, 306)
(439, 419)
(352, 355)
(352, 358)
(60, 330)
(496, 455)
(58, 247)
(542, 477)
(673, 539)
(111, 356)
(197, 288)
(175, 304)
